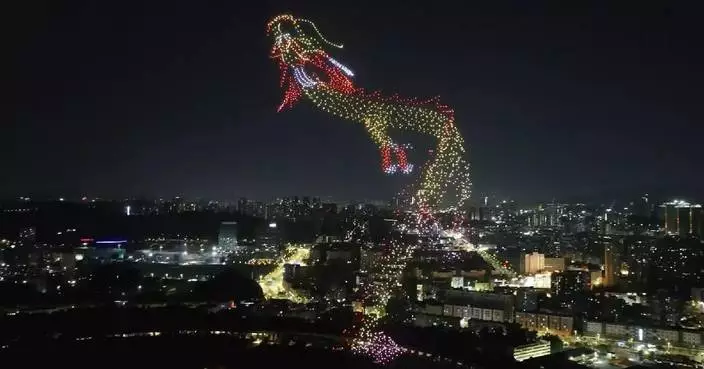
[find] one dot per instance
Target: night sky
(117, 98)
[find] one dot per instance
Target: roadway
(273, 285)
(463, 244)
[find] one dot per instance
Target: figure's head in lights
(299, 48)
(295, 39)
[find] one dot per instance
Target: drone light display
(307, 71)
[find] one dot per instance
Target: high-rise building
(316, 203)
(257, 209)
(526, 299)
(679, 217)
(291, 271)
(242, 203)
(610, 263)
(227, 237)
(532, 263)
(570, 282)
(642, 207)
(270, 239)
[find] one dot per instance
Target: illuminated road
(490, 259)
(495, 263)
(273, 285)
(370, 340)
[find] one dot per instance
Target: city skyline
(182, 100)
(462, 185)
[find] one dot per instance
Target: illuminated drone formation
(307, 70)
(370, 340)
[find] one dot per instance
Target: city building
(457, 282)
(227, 237)
(465, 312)
(611, 269)
(679, 217)
(562, 325)
(531, 350)
(543, 280)
(570, 282)
(642, 207)
(483, 300)
(646, 334)
(270, 239)
(292, 271)
(100, 254)
(526, 299)
(532, 263)
(554, 264)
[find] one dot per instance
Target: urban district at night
(384, 185)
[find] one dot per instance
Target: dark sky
(116, 98)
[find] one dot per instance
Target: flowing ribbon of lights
(315, 28)
(444, 182)
(343, 68)
(307, 70)
(370, 340)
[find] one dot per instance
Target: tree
(556, 343)
(398, 308)
(229, 285)
(111, 281)
(487, 276)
